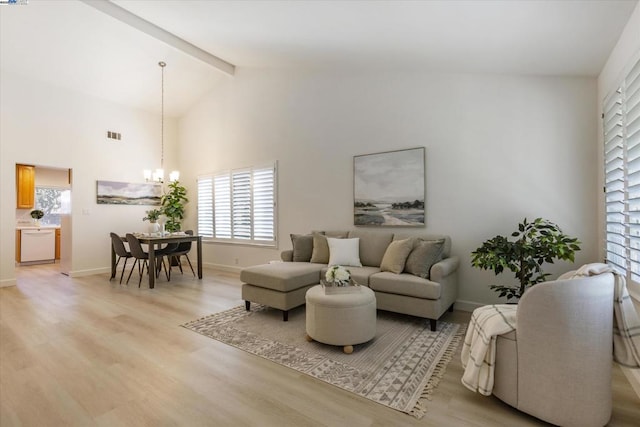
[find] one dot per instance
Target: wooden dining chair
(121, 251)
(142, 258)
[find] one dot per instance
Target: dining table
(154, 242)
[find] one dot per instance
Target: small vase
(154, 228)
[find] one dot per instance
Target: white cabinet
(38, 244)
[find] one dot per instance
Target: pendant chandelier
(158, 174)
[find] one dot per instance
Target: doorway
(44, 203)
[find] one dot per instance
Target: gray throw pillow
(395, 256)
(423, 256)
(302, 247)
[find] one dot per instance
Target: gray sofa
(423, 284)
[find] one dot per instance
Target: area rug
(399, 368)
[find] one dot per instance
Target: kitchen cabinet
(25, 186)
(57, 243)
(18, 245)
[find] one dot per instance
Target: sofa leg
(285, 315)
(433, 324)
(451, 308)
(247, 305)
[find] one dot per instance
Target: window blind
(621, 127)
(205, 206)
(264, 204)
(239, 206)
(222, 206)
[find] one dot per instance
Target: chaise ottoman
(281, 285)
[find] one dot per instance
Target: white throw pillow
(344, 252)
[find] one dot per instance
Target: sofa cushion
(372, 246)
(446, 252)
(396, 255)
(320, 253)
(344, 252)
(424, 254)
(404, 284)
(302, 247)
(282, 276)
(360, 275)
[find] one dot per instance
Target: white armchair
(557, 365)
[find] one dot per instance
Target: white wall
(625, 53)
(499, 148)
(49, 126)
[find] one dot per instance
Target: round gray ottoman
(343, 319)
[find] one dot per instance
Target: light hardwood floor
(88, 351)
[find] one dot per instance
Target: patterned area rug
(399, 368)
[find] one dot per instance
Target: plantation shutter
(222, 206)
(631, 134)
(263, 203)
(241, 196)
(615, 184)
(621, 127)
(239, 206)
(205, 206)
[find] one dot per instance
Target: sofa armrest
(287, 256)
(444, 268)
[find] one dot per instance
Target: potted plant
(152, 216)
(173, 206)
(36, 214)
(537, 242)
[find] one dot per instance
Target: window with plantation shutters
(621, 125)
(205, 207)
(238, 206)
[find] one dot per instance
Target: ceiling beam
(153, 30)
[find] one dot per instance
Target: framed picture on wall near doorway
(389, 188)
(126, 193)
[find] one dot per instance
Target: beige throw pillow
(302, 247)
(423, 256)
(320, 252)
(396, 255)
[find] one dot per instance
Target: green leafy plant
(152, 215)
(36, 214)
(173, 206)
(537, 242)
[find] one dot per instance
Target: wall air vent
(113, 136)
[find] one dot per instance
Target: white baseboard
(223, 267)
(466, 305)
(7, 282)
(91, 272)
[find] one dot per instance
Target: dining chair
(121, 251)
(142, 258)
(183, 249)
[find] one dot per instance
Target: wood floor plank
(89, 351)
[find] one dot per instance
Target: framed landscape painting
(389, 188)
(126, 193)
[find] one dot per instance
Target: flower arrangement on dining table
(337, 275)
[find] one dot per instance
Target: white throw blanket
(479, 348)
(626, 325)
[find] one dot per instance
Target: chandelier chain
(162, 65)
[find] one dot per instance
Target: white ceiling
(71, 44)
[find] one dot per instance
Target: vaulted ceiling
(71, 44)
